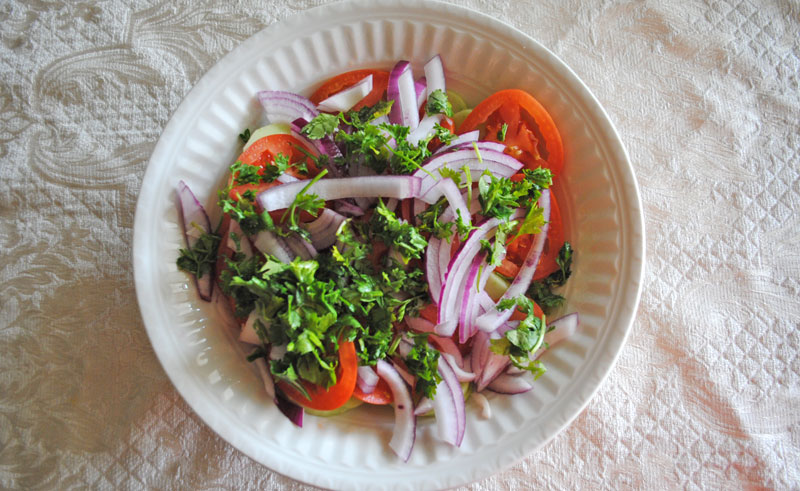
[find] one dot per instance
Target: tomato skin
(522, 112)
(323, 399)
(380, 81)
(382, 394)
(264, 150)
(517, 250)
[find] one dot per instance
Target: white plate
(599, 196)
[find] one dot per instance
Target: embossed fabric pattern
(705, 96)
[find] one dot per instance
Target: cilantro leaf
(402, 236)
(245, 174)
(525, 340)
(200, 259)
(542, 291)
(501, 133)
(438, 103)
(423, 362)
(321, 126)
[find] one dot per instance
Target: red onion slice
(465, 138)
(282, 197)
(509, 384)
(344, 101)
(424, 406)
(432, 272)
(401, 90)
(497, 163)
(493, 319)
(285, 107)
(444, 406)
(468, 302)
(453, 287)
(561, 329)
(449, 377)
(483, 403)
(448, 346)
(461, 375)
(323, 229)
(345, 207)
(194, 223)
(424, 129)
(367, 379)
(270, 244)
(300, 247)
(434, 75)
(420, 89)
(289, 409)
(244, 244)
(419, 324)
(405, 423)
(248, 333)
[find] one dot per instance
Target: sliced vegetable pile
(372, 253)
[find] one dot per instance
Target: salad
(382, 243)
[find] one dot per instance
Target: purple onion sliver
(509, 384)
(399, 187)
(405, 422)
(493, 319)
(434, 75)
(367, 379)
(419, 324)
(446, 371)
(194, 223)
(420, 87)
(401, 90)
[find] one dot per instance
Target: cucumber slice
(351, 404)
(496, 286)
(270, 129)
(460, 116)
(456, 101)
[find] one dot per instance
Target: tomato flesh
(333, 397)
(380, 81)
(526, 118)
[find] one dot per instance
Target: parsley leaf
(438, 103)
(423, 362)
(199, 259)
(542, 291)
(501, 133)
(402, 236)
(245, 135)
(321, 126)
(245, 174)
(244, 211)
(527, 338)
(310, 203)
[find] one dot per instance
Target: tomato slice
(323, 399)
(264, 150)
(518, 249)
(380, 396)
(531, 137)
(380, 80)
(518, 315)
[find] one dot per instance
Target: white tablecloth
(706, 97)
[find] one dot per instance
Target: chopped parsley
(523, 341)
(542, 291)
(422, 362)
(438, 103)
(501, 133)
(200, 258)
(402, 236)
